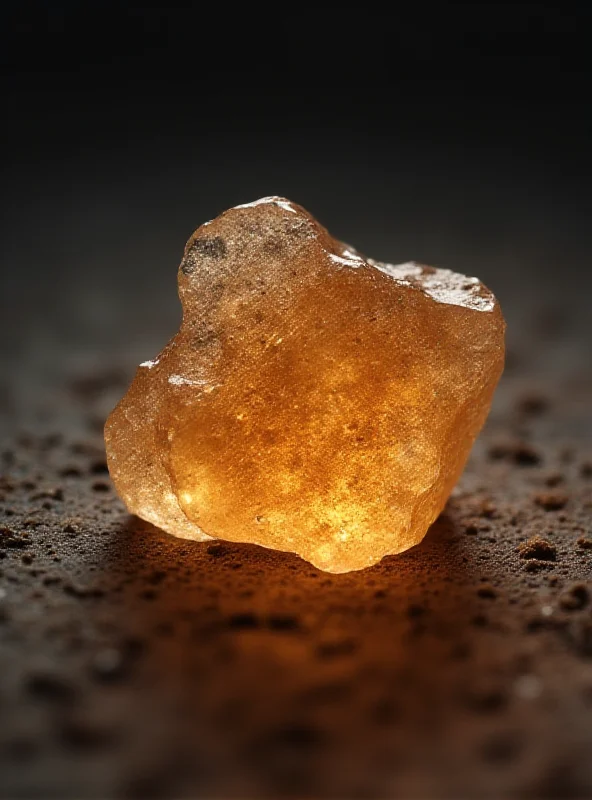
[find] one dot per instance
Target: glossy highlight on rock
(313, 400)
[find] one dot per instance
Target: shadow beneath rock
(300, 681)
(236, 572)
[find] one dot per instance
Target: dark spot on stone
(584, 543)
(204, 337)
(205, 247)
(101, 486)
(274, 245)
(487, 591)
(537, 548)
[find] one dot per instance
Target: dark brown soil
(138, 665)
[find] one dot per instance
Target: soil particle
(517, 452)
(537, 548)
(551, 501)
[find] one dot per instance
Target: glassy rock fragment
(313, 400)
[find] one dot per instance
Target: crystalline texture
(313, 400)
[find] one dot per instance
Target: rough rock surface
(313, 401)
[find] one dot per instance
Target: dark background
(457, 135)
(134, 664)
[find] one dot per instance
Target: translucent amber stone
(313, 400)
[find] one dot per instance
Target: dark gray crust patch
(205, 247)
